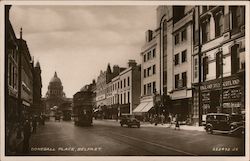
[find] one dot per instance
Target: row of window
(180, 83)
(121, 98)
(149, 88)
(180, 37)
(149, 71)
(237, 62)
(149, 55)
(119, 85)
(237, 20)
(183, 57)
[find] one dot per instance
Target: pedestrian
(177, 125)
(162, 118)
(34, 124)
(171, 120)
(26, 136)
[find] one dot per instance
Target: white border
(134, 158)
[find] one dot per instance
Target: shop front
(230, 93)
(182, 108)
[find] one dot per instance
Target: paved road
(107, 138)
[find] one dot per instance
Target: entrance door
(214, 100)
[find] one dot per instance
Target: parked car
(57, 117)
(225, 123)
(129, 120)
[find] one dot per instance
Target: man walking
(26, 135)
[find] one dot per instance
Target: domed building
(55, 98)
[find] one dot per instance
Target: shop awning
(140, 107)
(147, 107)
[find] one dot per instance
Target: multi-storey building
(37, 89)
(101, 90)
(220, 52)
(129, 88)
(176, 46)
(26, 71)
(12, 111)
(151, 84)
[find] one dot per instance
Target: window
(184, 56)
(176, 80)
(218, 25)
(153, 69)
(204, 9)
(149, 71)
(205, 31)
(128, 81)
(121, 98)
(184, 79)
(153, 52)
(145, 73)
(118, 85)
(128, 97)
(235, 60)
(121, 84)
(218, 64)
(195, 68)
(176, 59)
(183, 35)
(205, 68)
(144, 91)
(149, 88)
(124, 83)
(118, 98)
(145, 57)
(124, 98)
(154, 87)
(149, 55)
(236, 18)
(176, 39)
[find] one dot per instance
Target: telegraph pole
(221, 82)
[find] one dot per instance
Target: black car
(225, 123)
(130, 121)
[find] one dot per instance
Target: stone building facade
(220, 52)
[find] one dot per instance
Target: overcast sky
(79, 41)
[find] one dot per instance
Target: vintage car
(129, 120)
(225, 123)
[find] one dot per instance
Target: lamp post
(221, 82)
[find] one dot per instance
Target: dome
(55, 79)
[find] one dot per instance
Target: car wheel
(209, 130)
(121, 125)
(138, 126)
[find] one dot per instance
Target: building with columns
(55, 97)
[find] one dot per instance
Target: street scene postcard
(151, 80)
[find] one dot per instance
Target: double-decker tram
(82, 108)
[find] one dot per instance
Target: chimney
(149, 35)
(132, 63)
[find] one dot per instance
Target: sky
(79, 41)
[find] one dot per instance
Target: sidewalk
(182, 127)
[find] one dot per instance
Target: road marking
(155, 144)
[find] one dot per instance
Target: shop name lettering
(217, 85)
